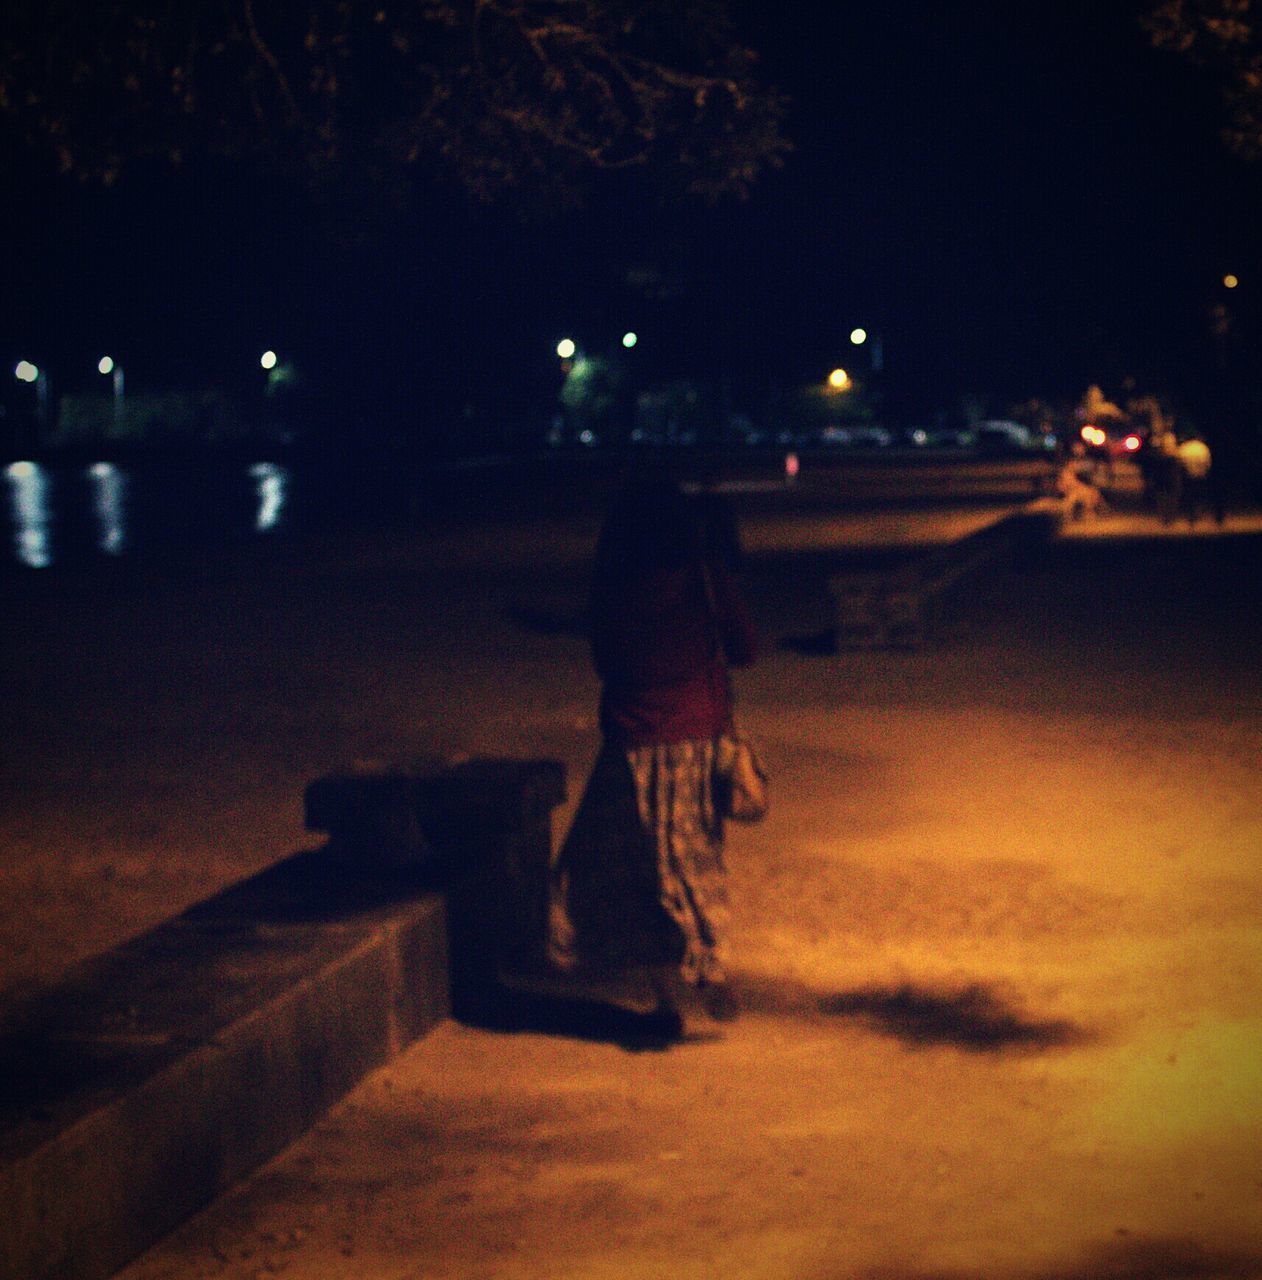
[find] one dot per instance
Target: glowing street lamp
(876, 351)
(107, 366)
(566, 348)
(839, 380)
(25, 371)
(629, 339)
(268, 360)
(1230, 281)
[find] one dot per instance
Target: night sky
(1020, 198)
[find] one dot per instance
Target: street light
(876, 351)
(1230, 281)
(107, 366)
(629, 339)
(566, 348)
(839, 379)
(25, 371)
(268, 360)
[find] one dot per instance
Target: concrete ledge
(901, 609)
(157, 1075)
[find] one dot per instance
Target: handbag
(740, 778)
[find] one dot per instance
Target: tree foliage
(505, 96)
(1224, 37)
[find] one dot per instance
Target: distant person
(1076, 485)
(1197, 466)
(639, 885)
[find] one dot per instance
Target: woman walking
(640, 884)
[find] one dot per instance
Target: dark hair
(651, 525)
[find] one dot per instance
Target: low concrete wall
(902, 609)
(159, 1074)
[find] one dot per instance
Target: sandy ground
(999, 939)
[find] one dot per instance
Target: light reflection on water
(109, 492)
(53, 515)
(29, 511)
(272, 482)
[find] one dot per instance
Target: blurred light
(273, 482)
(29, 497)
(920, 436)
(839, 379)
(858, 336)
(25, 371)
(630, 339)
(1230, 281)
(566, 348)
(1093, 435)
(268, 360)
(105, 364)
(792, 465)
(1131, 443)
(109, 486)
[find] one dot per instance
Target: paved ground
(999, 939)
(1000, 944)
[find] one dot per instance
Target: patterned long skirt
(640, 878)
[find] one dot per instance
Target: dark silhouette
(640, 884)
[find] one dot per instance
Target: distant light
(1131, 443)
(839, 379)
(1230, 281)
(630, 339)
(268, 360)
(25, 371)
(105, 364)
(30, 513)
(108, 501)
(566, 348)
(792, 465)
(271, 483)
(1093, 435)
(858, 336)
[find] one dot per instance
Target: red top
(656, 644)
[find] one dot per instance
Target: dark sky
(1021, 198)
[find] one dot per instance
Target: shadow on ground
(510, 1011)
(975, 1018)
